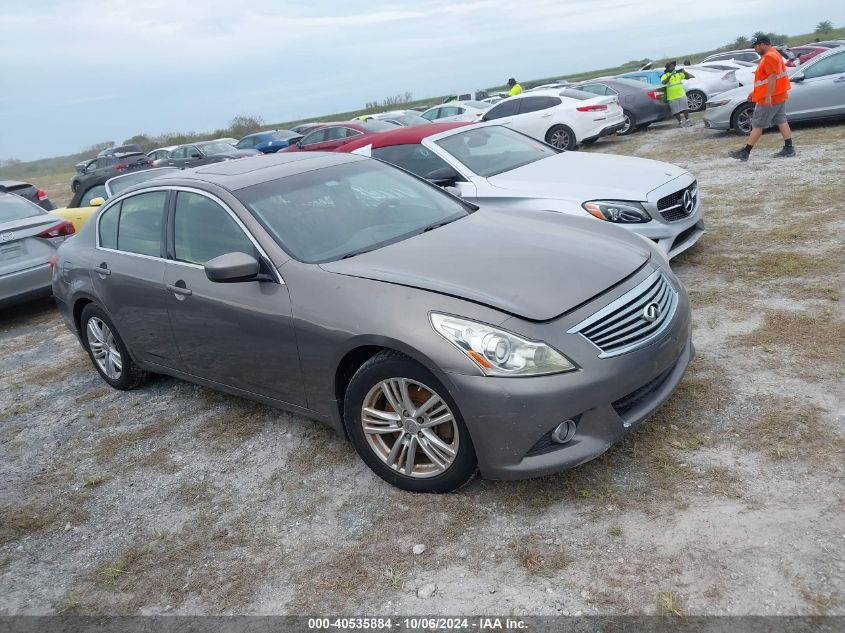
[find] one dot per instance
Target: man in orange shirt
(771, 85)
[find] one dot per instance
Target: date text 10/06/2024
(425, 623)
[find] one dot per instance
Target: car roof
(403, 135)
(238, 174)
(13, 183)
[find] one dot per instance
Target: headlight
(618, 211)
(498, 352)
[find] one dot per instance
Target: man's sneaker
(740, 154)
(689, 123)
(786, 150)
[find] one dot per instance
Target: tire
(741, 119)
(588, 141)
(696, 100)
(561, 137)
(630, 123)
(97, 331)
(642, 127)
(386, 371)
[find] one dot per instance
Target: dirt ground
(176, 499)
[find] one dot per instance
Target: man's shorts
(767, 116)
(676, 106)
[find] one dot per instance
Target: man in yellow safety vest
(676, 96)
(515, 88)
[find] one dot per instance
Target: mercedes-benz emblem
(651, 312)
(6, 237)
(689, 203)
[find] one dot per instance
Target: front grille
(673, 208)
(628, 403)
(633, 320)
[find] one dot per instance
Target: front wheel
(630, 123)
(696, 100)
(406, 427)
(561, 137)
(108, 351)
(741, 119)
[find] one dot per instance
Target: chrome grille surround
(622, 326)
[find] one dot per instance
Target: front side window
(204, 230)
(315, 137)
(832, 65)
(247, 143)
(417, 159)
(139, 227)
(488, 151)
(335, 212)
(179, 152)
(431, 115)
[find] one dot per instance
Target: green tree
(741, 42)
(243, 125)
(823, 28)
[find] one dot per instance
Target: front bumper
(510, 419)
(719, 118)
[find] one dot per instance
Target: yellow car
(78, 216)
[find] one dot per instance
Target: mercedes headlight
(618, 211)
(498, 352)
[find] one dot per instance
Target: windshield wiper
(437, 225)
(360, 251)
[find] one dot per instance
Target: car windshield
(120, 183)
(344, 210)
(215, 148)
(14, 207)
(492, 150)
(375, 125)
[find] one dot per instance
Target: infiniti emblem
(689, 203)
(651, 312)
(6, 237)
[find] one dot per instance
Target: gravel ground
(176, 499)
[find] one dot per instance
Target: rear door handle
(103, 269)
(179, 290)
(546, 115)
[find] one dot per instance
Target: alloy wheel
(104, 348)
(695, 101)
(559, 139)
(627, 127)
(410, 427)
(743, 120)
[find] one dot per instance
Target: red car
(327, 137)
(804, 53)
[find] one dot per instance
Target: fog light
(564, 432)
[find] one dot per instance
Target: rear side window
(832, 65)
(503, 109)
(596, 89)
(139, 227)
(534, 104)
(14, 207)
(247, 143)
(108, 227)
(431, 115)
(204, 230)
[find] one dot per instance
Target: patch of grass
(539, 557)
(397, 575)
(814, 291)
(93, 394)
(323, 449)
(615, 531)
(68, 604)
(795, 429)
(669, 603)
(17, 521)
(233, 425)
(15, 409)
(720, 480)
(822, 603)
(811, 336)
(96, 480)
(112, 445)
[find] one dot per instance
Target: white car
(490, 165)
(456, 111)
(745, 55)
(562, 118)
(706, 83)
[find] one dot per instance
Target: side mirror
(798, 77)
(232, 267)
(97, 202)
(195, 155)
(443, 177)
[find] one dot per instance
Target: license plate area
(12, 251)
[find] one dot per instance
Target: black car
(111, 165)
(641, 104)
(28, 191)
(204, 153)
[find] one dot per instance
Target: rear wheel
(561, 137)
(107, 350)
(741, 119)
(406, 427)
(630, 123)
(696, 100)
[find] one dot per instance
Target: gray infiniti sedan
(439, 339)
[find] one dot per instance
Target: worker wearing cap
(676, 96)
(771, 88)
(515, 88)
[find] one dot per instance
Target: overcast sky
(74, 73)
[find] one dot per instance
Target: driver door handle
(103, 269)
(179, 290)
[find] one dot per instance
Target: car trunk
(20, 246)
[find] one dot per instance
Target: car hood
(581, 176)
(734, 94)
(535, 265)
